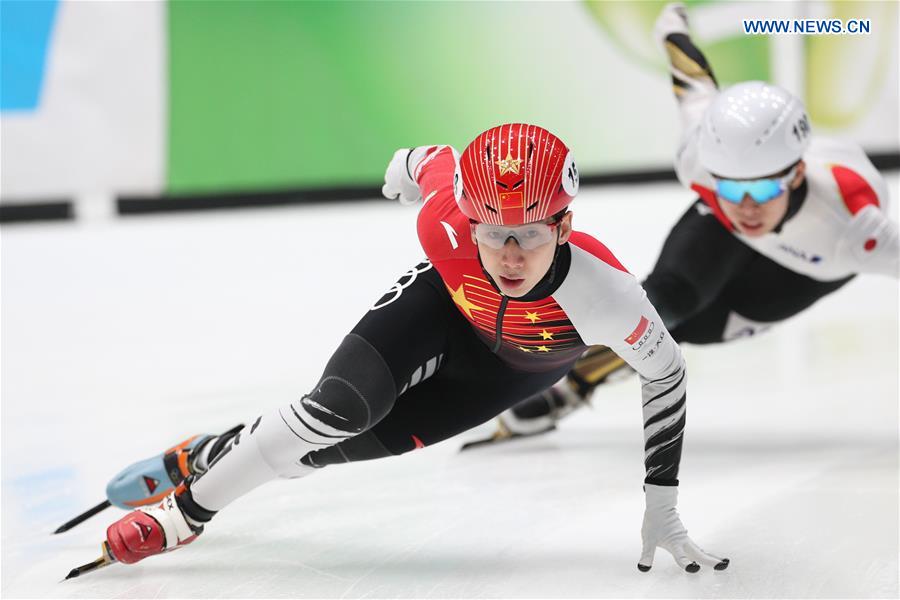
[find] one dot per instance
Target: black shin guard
(356, 390)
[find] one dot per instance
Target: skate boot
(151, 479)
(150, 530)
(540, 413)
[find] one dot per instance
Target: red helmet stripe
(521, 144)
(545, 177)
(532, 165)
(552, 179)
(540, 181)
(487, 173)
(537, 166)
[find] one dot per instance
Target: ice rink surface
(120, 338)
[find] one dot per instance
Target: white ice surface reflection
(120, 338)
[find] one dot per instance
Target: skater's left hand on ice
(663, 528)
(398, 181)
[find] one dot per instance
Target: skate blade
(104, 561)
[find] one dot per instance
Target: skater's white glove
(398, 181)
(662, 528)
(672, 19)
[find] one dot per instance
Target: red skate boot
(151, 530)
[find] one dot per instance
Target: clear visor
(528, 236)
(760, 190)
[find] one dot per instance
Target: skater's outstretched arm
(402, 174)
(650, 350)
(610, 307)
(869, 242)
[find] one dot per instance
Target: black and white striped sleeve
(642, 340)
(664, 402)
(608, 306)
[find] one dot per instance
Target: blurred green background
(313, 93)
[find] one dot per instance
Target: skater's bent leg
(403, 334)
(692, 77)
(471, 388)
(355, 391)
(759, 296)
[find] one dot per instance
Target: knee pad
(356, 391)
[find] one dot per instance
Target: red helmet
(514, 174)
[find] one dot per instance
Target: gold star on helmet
(524, 349)
(546, 334)
(459, 297)
(509, 164)
(532, 316)
(543, 349)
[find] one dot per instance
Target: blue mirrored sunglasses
(760, 190)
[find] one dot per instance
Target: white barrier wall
(100, 122)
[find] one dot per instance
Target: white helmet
(753, 129)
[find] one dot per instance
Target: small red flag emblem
(511, 200)
(151, 483)
(638, 331)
